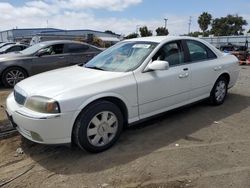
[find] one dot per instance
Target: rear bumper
(40, 128)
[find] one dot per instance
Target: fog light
(36, 136)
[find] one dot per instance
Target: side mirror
(158, 65)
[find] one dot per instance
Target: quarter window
(172, 53)
(199, 51)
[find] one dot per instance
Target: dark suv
(42, 57)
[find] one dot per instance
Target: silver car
(42, 57)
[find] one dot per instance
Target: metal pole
(166, 21)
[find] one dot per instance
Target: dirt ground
(197, 146)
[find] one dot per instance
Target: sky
(120, 16)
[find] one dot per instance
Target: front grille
(19, 98)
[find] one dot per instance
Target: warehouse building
(15, 35)
(41, 34)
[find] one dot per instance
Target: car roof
(51, 42)
(59, 42)
(160, 39)
(164, 39)
(17, 44)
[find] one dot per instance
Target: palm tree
(204, 21)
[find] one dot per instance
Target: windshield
(123, 57)
(33, 49)
(5, 47)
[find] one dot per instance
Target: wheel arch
(119, 101)
(14, 66)
(225, 75)
(2, 74)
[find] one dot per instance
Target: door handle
(61, 57)
(217, 68)
(184, 75)
(185, 69)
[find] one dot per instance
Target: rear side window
(77, 48)
(199, 51)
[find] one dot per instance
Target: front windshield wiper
(95, 67)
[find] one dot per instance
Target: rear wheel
(219, 91)
(12, 76)
(98, 127)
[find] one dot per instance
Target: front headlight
(42, 105)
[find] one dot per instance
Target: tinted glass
(172, 53)
(77, 48)
(53, 49)
(15, 48)
(199, 51)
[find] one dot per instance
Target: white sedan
(129, 82)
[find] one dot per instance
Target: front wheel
(12, 76)
(219, 91)
(98, 127)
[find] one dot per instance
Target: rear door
(205, 69)
(55, 57)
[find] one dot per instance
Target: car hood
(11, 56)
(56, 82)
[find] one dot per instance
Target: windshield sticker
(142, 46)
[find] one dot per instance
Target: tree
(110, 32)
(161, 31)
(194, 34)
(229, 25)
(144, 32)
(204, 21)
(98, 42)
(131, 36)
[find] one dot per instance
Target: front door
(162, 90)
(53, 58)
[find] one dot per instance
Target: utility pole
(47, 23)
(166, 21)
(189, 24)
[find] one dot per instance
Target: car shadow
(137, 141)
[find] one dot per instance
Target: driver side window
(53, 49)
(172, 53)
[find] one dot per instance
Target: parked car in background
(12, 48)
(6, 43)
(42, 57)
(129, 82)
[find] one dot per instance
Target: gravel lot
(196, 146)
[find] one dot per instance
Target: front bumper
(39, 127)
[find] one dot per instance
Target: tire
(219, 91)
(13, 75)
(98, 126)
